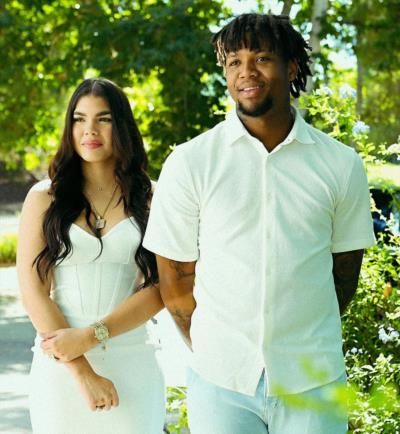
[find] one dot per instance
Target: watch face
(101, 332)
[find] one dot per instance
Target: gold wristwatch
(101, 332)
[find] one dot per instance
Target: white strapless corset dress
(87, 287)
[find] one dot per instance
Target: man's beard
(257, 111)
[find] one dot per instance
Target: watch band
(101, 333)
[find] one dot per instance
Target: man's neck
(272, 128)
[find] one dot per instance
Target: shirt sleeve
(172, 229)
(352, 224)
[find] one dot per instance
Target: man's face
(258, 80)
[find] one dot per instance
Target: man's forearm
(182, 315)
(176, 289)
(346, 270)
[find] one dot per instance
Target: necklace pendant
(100, 223)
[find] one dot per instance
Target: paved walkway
(16, 337)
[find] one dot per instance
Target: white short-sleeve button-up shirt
(262, 228)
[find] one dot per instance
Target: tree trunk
(287, 6)
(319, 10)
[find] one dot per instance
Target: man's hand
(346, 270)
(176, 289)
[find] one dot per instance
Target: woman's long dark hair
(65, 172)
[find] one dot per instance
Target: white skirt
(57, 405)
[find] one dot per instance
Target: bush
(8, 249)
(176, 406)
(371, 325)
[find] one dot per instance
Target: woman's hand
(99, 392)
(68, 344)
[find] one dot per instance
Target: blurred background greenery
(159, 52)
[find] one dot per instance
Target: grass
(384, 173)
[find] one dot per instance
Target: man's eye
(233, 63)
(263, 59)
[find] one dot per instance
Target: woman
(81, 264)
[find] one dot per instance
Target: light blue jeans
(214, 410)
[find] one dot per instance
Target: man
(259, 227)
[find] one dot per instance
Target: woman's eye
(78, 119)
(106, 120)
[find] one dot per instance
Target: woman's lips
(91, 144)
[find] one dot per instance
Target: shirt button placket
(267, 197)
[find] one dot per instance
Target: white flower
(324, 90)
(360, 127)
(383, 336)
(391, 335)
(394, 149)
(394, 335)
(346, 91)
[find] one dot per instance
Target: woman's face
(92, 129)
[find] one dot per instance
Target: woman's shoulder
(41, 186)
(38, 197)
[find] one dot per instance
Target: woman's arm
(69, 343)
(43, 312)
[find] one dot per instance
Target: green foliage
(48, 47)
(176, 405)
(367, 29)
(372, 323)
(8, 249)
(372, 343)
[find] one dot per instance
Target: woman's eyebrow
(102, 113)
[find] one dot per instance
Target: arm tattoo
(179, 269)
(182, 303)
(346, 269)
(183, 320)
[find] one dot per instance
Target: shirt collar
(299, 131)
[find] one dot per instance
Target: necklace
(101, 222)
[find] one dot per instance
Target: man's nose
(248, 69)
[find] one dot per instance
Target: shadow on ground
(14, 419)
(16, 339)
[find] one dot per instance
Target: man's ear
(293, 68)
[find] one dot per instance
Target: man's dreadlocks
(255, 32)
